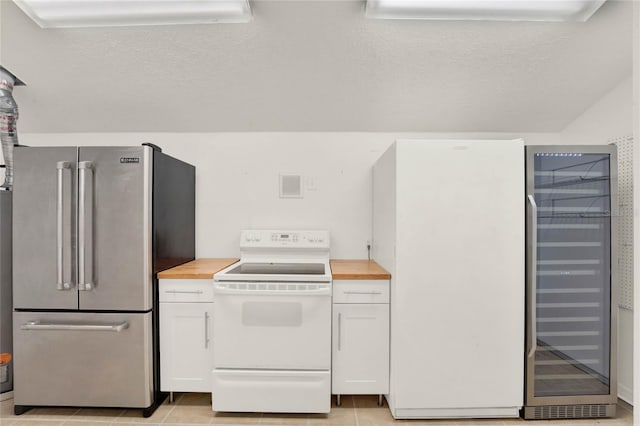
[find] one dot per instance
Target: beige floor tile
(339, 416)
(616, 421)
(318, 419)
(122, 424)
(375, 416)
(481, 422)
(6, 405)
(367, 401)
(463, 422)
(613, 421)
(624, 412)
(570, 422)
(194, 399)
(236, 418)
(284, 419)
(345, 401)
(619, 422)
(97, 414)
(6, 412)
(35, 414)
(135, 416)
(518, 422)
(189, 414)
(195, 408)
(49, 413)
(627, 417)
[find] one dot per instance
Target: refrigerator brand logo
(125, 160)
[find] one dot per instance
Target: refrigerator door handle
(84, 253)
(60, 283)
(533, 344)
(37, 325)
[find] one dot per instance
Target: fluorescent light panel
(118, 13)
(484, 10)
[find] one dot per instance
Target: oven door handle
(270, 292)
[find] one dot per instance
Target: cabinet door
(360, 349)
(186, 355)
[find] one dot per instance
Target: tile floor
(195, 409)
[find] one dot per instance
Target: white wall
(237, 180)
(609, 118)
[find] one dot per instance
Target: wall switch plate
(311, 184)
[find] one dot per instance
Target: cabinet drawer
(361, 291)
(186, 290)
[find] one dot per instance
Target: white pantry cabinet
(186, 341)
(360, 337)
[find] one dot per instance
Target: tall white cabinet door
(360, 349)
(186, 355)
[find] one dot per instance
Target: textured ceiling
(315, 66)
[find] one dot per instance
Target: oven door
(278, 326)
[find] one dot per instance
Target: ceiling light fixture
(119, 13)
(484, 10)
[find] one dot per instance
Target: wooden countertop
(197, 269)
(357, 269)
(341, 269)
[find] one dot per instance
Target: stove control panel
(277, 239)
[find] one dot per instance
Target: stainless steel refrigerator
(571, 282)
(92, 226)
(6, 341)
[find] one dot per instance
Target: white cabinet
(360, 337)
(186, 341)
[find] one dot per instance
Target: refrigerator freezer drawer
(83, 359)
(272, 391)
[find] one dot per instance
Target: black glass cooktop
(279, 268)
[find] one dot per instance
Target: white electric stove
(272, 325)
